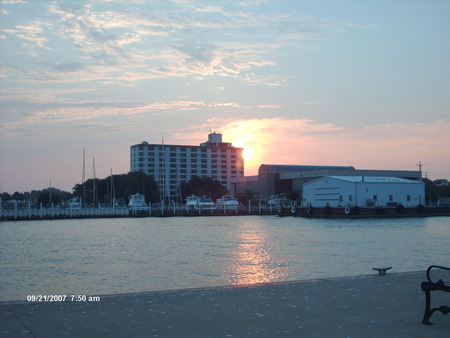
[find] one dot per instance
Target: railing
(27, 211)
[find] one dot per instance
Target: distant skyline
(361, 83)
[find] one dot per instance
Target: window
(391, 198)
(408, 198)
(350, 198)
(375, 197)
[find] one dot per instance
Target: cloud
(303, 141)
(69, 66)
(30, 32)
(52, 109)
(13, 2)
(155, 42)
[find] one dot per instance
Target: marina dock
(27, 212)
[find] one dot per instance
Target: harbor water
(121, 255)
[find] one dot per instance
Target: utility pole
(420, 166)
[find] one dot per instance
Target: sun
(248, 153)
(251, 153)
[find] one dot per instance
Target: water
(104, 256)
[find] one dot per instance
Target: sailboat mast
(93, 181)
(83, 177)
(113, 192)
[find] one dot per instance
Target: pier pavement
(361, 306)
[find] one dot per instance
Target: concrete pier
(389, 305)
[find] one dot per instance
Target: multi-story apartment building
(172, 165)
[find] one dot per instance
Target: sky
(361, 83)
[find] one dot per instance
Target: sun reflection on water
(253, 261)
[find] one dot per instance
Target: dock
(26, 212)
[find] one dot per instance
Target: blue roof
(372, 179)
(367, 179)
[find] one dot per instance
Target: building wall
(283, 179)
(172, 165)
(245, 184)
(336, 192)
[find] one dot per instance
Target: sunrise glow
(248, 153)
(294, 89)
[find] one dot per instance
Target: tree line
(121, 186)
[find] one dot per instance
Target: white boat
(75, 203)
(137, 202)
(279, 200)
(196, 202)
(228, 202)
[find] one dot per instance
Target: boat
(227, 202)
(197, 202)
(276, 201)
(137, 202)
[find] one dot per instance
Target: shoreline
(302, 212)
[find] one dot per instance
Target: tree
(203, 186)
(248, 195)
(122, 186)
(5, 196)
(18, 196)
(434, 193)
(46, 199)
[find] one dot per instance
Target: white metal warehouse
(362, 191)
